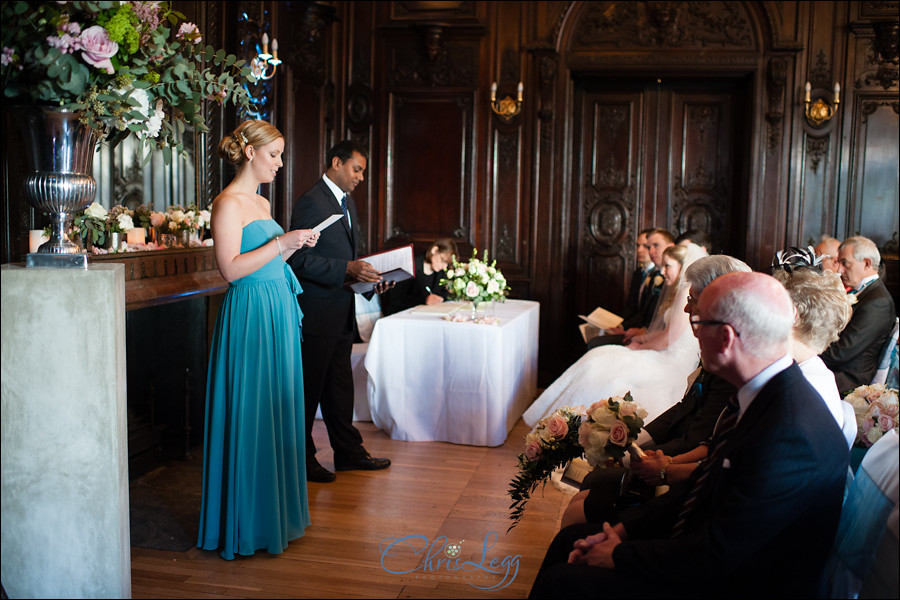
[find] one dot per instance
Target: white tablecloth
(466, 383)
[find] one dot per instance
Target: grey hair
(751, 313)
(863, 248)
(702, 272)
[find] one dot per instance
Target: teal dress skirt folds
(254, 465)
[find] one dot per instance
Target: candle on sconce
(837, 93)
(493, 91)
(808, 89)
(36, 237)
(136, 235)
(519, 91)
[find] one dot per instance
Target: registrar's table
(467, 383)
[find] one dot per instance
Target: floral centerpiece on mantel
(129, 67)
(475, 281)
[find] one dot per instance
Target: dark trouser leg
(337, 404)
(316, 357)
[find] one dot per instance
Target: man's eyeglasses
(698, 323)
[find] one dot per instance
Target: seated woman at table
(425, 287)
(653, 367)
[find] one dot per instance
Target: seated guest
(678, 430)
(758, 518)
(654, 367)
(827, 252)
(694, 236)
(854, 356)
(640, 281)
(425, 287)
(650, 291)
(822, 313)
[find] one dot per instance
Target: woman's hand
(433, 299)
(298, 238)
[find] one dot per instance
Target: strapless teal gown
(254, 465)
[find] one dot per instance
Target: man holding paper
(328, 307)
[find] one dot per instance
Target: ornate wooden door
(651, 152)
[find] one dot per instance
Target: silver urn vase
(60, 151)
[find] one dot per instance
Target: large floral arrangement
(609, 428)
(552, 443)
(130, 67)
(876, 409)
(475, 281)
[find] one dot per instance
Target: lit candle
(808, 89)
(837, 93)
(519, 90)
(36, 237)
(493, 91)
(136, 235)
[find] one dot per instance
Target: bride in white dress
(653, 367)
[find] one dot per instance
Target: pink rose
(628, 409)
(584, 433)
(886, 422)
(97, 48)
(618, 434)
(533, 450)
(157, 219)
(557, 426)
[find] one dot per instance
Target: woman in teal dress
(254, 479)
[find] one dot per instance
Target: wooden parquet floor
(435, 495)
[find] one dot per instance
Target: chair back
(850, 427)
(887, 360)
(865, 552)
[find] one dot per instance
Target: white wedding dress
(657, 379)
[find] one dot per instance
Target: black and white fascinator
(797, 258)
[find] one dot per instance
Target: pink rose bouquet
(552, 443)
(609, 428)
(876, 409)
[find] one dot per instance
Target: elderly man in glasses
(759, 516)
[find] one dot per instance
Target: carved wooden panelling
(683, 25)
(432, 61)
(874, 170)
(429, 167)
(507, 195)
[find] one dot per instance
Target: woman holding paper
(425, 288)
(254, 482)
(654, 367)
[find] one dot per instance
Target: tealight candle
(36, 237)
(136, 235)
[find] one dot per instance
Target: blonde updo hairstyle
(821, 304)
(249, 133)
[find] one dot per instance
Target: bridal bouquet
(609, 428)
(475, 281)
(553, 442)
(876, 409)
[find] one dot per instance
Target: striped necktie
(344, 208)
(727, 420)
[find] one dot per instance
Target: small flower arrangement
(91, 225)
(553, 442)
(118, 220)
(609, 428)
(475, 281)
(182, 219)
(120, 64)
(876, 409)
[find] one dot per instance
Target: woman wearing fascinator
(822, 312)
(653, 367)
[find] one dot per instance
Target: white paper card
(327, 222)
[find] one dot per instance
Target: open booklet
(598, 322)
(394, 265)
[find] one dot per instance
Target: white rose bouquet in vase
(475, 281)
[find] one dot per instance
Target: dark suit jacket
(646, 303)
(328, 308)
(766, 516)
(854, 356)
(691, 421)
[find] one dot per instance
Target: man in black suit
(757, 518)
(329, 312)
(648, 293)
(854, 356)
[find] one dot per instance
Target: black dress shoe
(319, 474)
(368, 463)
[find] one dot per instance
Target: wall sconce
(821, 111)
(260, 64)
(508, 107)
